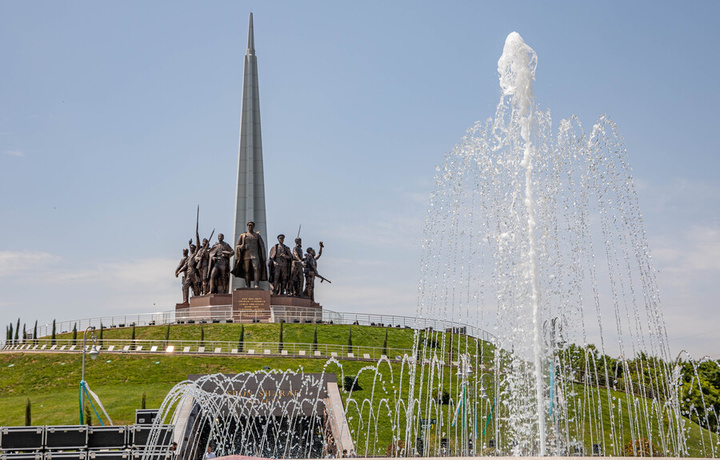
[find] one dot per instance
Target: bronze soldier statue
(219, 268)
(279, 265)
(250, 257)
(311, 271)
(296, 273)
(191, 272)
(191, 280)
(201, 262)
(182, 268)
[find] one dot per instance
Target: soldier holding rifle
(310, 271)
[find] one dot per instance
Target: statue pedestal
(259, 305)
(206, 308)
(249, 305)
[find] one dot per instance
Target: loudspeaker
(22, 437)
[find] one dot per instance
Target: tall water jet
(540, 237)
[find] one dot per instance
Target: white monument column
(250, 198)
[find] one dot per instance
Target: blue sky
(118, 119)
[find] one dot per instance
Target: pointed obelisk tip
(251, 37)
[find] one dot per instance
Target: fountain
(538, 236)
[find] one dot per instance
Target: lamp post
(94, 352)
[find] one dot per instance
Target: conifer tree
(52, 337)
(167, 335)
(280, 339)
(35, 334)
(101, 335)
(241, 340)
(28, 413)
(132, 346)
(17, 332)
(384, 348)
(314, 342)
(350, 350)
(74, 342)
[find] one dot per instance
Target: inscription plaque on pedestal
(251, 304)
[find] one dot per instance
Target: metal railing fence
(68, 345)
(278, 314)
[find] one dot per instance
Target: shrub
(642, 448)
(396, 449)
(350, 383)
(443, 397)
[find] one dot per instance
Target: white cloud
(15, 153)
(142, 272)
(693, 254)
(20, 262)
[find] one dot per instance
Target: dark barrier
(145, 416)
(66, 437)
(65, 456)
(24, 456)
(20, 442)
(141, 433)
(107, 437)
(22, 437)
(109, 455)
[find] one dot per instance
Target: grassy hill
(50, 379)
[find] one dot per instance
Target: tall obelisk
(250, 198)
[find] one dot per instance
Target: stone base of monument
(258, 305)
(212, 307)
(249, 305)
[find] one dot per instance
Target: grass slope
(50, 380)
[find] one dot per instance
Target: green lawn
(375, 413)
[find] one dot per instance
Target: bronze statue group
(206, 270)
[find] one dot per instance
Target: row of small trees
(12, 336)
(646, 375)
